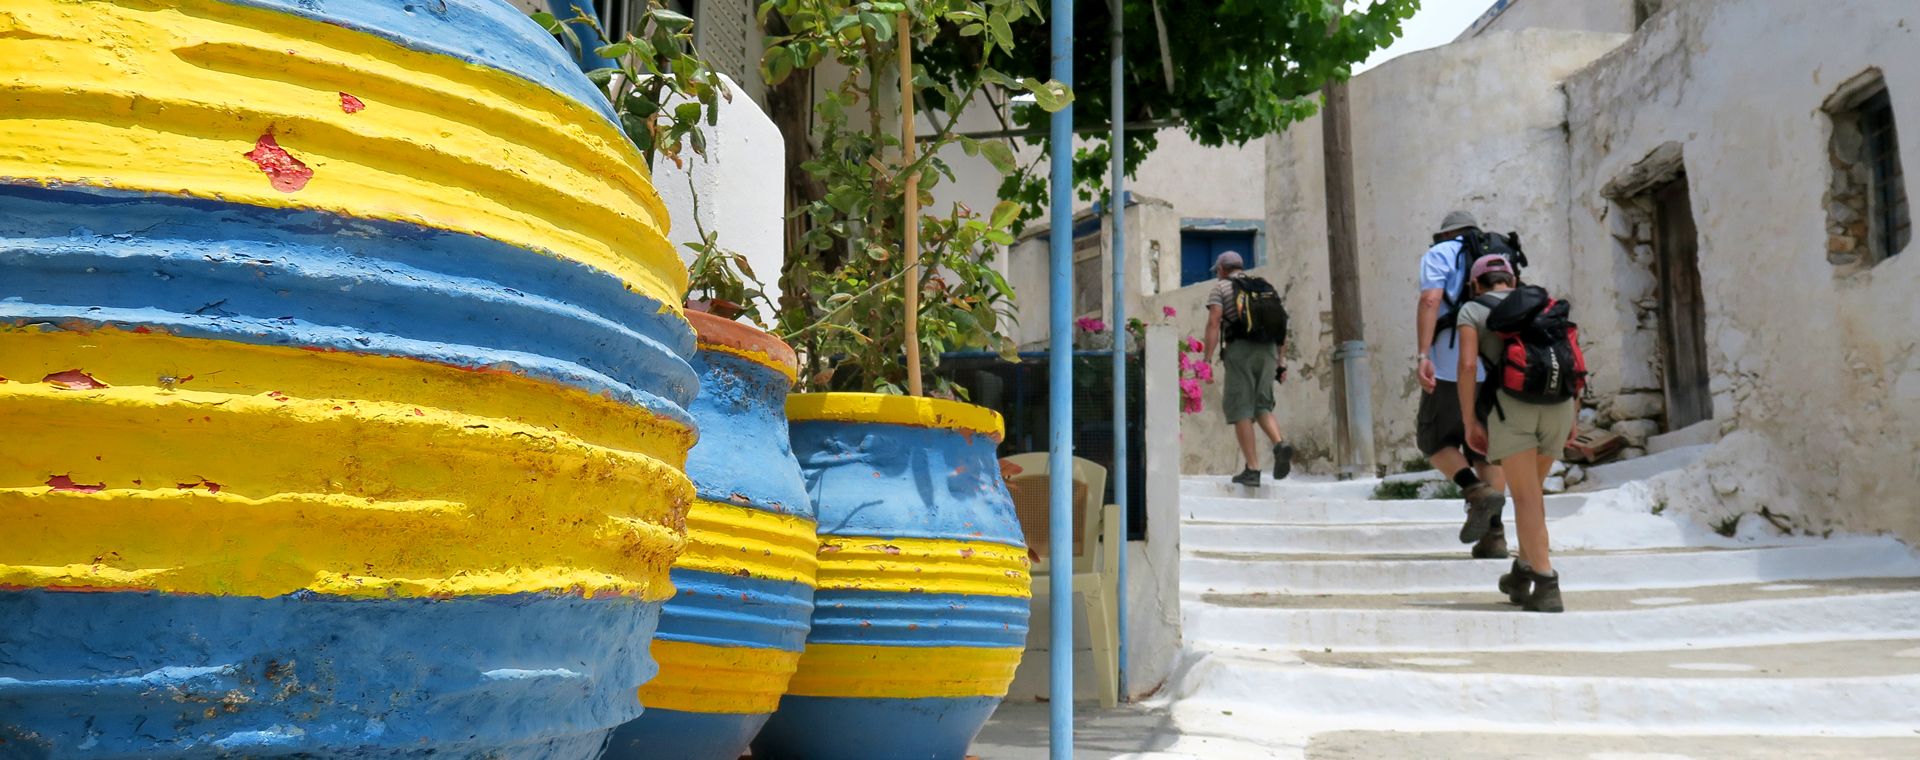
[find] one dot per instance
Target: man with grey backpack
(1245, 314)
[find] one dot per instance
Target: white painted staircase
(1323, 623)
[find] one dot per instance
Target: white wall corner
(740, 184)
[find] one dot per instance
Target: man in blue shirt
(1440, 435)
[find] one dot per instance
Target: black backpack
(1473, 245)
(1255, 313)
(1540, 357)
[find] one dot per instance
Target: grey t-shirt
(1474, 314)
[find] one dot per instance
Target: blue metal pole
(1060, 390)
(1118, 204)
(590, 41)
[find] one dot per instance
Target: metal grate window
(618, 17)
(1892, 224)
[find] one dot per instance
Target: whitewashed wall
(1477, 125)
(739, 185)
(1821, 371)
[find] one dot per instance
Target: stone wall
(1815, 360)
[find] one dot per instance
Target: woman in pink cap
(1524, 435)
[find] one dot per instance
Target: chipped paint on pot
(341, 356)
(730, 640)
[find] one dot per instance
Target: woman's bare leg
(1530, 508)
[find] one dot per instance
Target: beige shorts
(1541, 427)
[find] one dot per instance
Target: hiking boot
(1249, 478)
(1484, 503)
(1282, 460)
(1545, 596)
(1515, 584)
(1492, 546)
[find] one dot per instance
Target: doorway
(1682, 309)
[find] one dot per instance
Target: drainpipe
(1118, 204)
(1060, 391)
(590, 40)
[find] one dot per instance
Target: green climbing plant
(842, 301)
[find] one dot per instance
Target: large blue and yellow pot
(920, 614)
(730, 639)
(344, 385)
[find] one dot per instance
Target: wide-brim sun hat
(1456, 220)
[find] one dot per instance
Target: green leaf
(1000, 155)
(1050, 95)
(615, 51)
(687, 113)
(1002, 32)
(670, 20)
(601, 76)
(1004, 214)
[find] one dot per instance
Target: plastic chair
(1093, 567)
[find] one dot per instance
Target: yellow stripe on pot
(214, 493)
(757, 357)
(914, 411)
(924, 565)
(702, 678)
(159, 361)
(861, 670)
(726, 539)
(170, 96)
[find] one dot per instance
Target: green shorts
(1540, 427)
(1250, 367)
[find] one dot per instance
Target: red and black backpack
(1540, 359)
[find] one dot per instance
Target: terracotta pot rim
(886, 408)
(743, 340)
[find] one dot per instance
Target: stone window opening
(1867, 213)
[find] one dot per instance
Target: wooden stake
(911, 228)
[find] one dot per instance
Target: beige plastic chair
(1094, 567)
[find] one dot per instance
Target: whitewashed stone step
(1204, 572)
(1322, 487)
(1592, 623)
(1312, 509)
(1556, 745)
(1287, 691)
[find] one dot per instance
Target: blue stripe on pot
(518, 676)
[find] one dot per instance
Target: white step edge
(1623, 532)
(1337, 511)
(1760, 622)
(1264, 696)
(1864, 557)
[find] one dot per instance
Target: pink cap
(1490, 263)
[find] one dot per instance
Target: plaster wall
(736, 187)
(1818, 366)
(1153, 258)
(1612, 16)
(1478, 125)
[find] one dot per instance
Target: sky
(1436, 23)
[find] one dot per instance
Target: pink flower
(1193, 344)
(1090, 324)
(1203, 371)
(1167, 311)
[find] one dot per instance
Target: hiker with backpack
(1523, 415)
(1444, 286)
(1245, 313)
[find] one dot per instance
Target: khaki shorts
(1540, 427)
(1250, 367)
